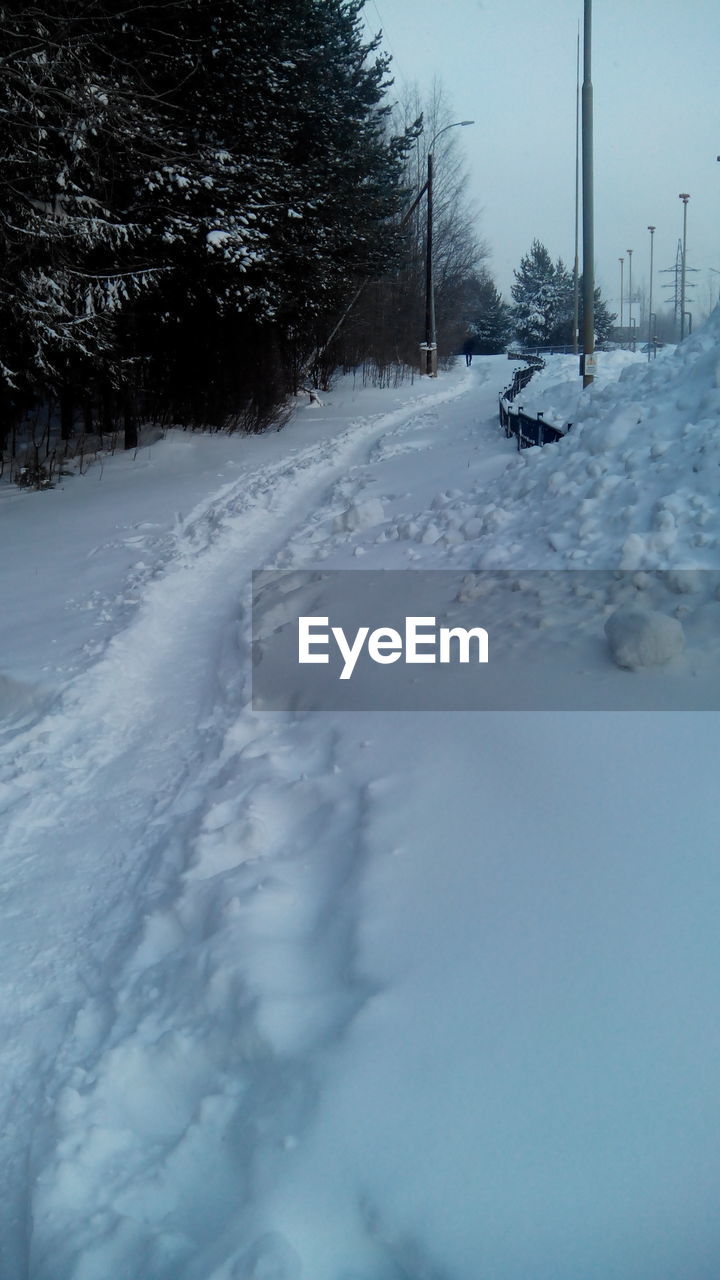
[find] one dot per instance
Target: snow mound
(634, 483)
(643, 638)
(363, 514)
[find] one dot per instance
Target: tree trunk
(107, 421)
(130, 423)
(66, 413)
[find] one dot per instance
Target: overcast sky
(510, 66)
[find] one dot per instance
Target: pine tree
(537, 297)
(489, 324)
(604, 319)
(188, 191)
(545, 303)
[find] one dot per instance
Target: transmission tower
(676, 284)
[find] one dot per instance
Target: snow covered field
(372, 995)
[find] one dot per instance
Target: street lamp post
(576, 265)
(650, 310)
(430, 345)
(588, 354)
(684, 196)
(629, 254)
(622, 295)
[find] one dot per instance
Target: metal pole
(576, 267)
(622, 293)
(430, 329)
(588, 223)
(429, 290)
(629, 254)
(650, 310)
(684, 197)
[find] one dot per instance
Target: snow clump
(643, 638)
(364, 514)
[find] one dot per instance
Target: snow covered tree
(603, 318)
(188, 190)
(291, 97)
(544, 302)
(538, 297)
(488, 320)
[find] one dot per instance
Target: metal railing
(515, 422)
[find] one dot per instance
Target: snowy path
(105, 802)
(361, 997)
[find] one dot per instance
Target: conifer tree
(544, 302)
(489, 324)
(187, 192)
(536, 297)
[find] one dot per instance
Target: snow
(643, 638)
(364, 995)
(362, 515)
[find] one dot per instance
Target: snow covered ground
(370, 995)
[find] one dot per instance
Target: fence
(515, 422)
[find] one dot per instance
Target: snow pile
(635, 483)
(643, 638)
(556, 390)
(361, 515)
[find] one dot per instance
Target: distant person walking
(467, 352)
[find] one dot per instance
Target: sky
(511, 67)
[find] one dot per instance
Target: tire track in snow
(105, 817)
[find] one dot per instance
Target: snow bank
(556, 390)
(634, 484)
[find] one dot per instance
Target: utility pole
(576, 267)
(622, 292)
(430, 344)
(588, 356)
(630, 254)
(684, 197)
(651, 335)
(430, 341)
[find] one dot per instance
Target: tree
(604, 319)
(389, 322)
(544, 302)
(489, 323)
(188, 191)
(538, 297)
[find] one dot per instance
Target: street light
(629, 253)
(588, 355)
(622, 267)
(684, 197)
(430, 344)
(650, 310)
